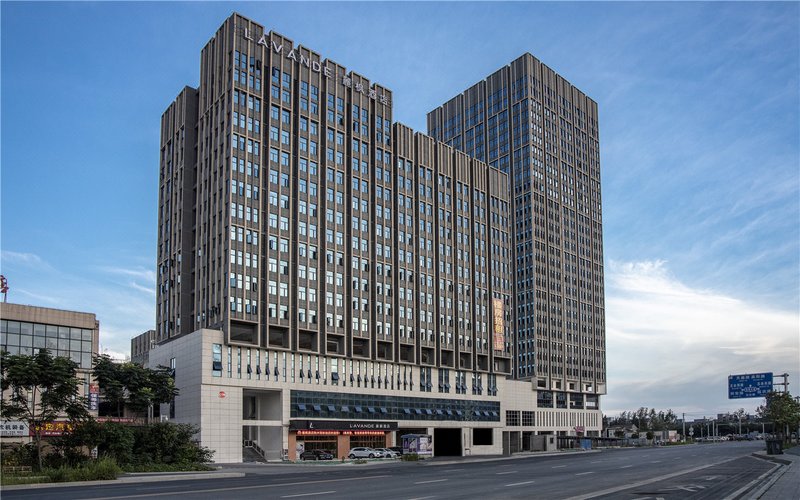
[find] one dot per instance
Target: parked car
(316, 455)
(397, 449)
(388, 453)
(363, 452)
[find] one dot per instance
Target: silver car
(387, 453)
(364, 453)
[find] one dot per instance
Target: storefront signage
(11, 428)
(339, 433)
(53, 429)
(341, 425)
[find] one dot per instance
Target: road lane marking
(214, 490)
(583, 473)
(309, 494)
(753, 483)
(656, 462)
(597, 462)
(616, 489)
(520, 484)
(626, 466)
(421, 498)
(431, 481)
(451, 470)
(508, 472)
(558, 466)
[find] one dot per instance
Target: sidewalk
(786, 482)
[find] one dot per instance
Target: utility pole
(785, 383)
(683, 419)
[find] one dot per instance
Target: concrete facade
(237, 404)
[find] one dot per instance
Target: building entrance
(447, 442)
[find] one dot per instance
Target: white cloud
(24, 258)
(139, 273)
(673, 346)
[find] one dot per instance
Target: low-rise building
(26, 329)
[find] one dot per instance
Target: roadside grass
(104, 468)
(189, 467)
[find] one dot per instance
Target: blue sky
(699, 113)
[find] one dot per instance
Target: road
(708, 471)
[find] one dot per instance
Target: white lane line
(214, 490)
(508, 472)
(558, 466)
(519, 484)
(583, 473)
(431, 481)
(656, 462)
(597, 462)
(309, 494)
(421, 498)
(451, 470)
(626, 466)
(616, 489)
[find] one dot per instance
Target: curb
(771, 458)
(149, 478)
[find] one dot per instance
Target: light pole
(683, 420)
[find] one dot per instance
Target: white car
(364, 453)
(387, 453)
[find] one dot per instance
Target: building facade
(328, 278)
(528, 121)
(140, 347)
(26, 329)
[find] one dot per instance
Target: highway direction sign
(749, 385)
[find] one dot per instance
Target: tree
(41, 389)
(781, 410)
(130, 385)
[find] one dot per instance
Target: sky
(699, 144)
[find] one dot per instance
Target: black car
(397, 449)
(316, 455)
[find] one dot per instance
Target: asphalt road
(707, 471)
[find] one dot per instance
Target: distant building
(621, 431)
(140, 347)
(26, 329)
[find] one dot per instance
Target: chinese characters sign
(499, 325)
(749, 385)
(11, 428)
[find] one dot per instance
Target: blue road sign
(749, 385)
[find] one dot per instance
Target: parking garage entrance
(447, 442)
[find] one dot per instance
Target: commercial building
(528, 121)
(328, 278)
(26, 329)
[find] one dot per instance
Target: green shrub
(410, 457)
(15, 455)
(96, 470)
(167, 467)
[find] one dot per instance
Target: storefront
(338, 436)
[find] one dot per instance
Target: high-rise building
(529, 122)
(323, 270)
